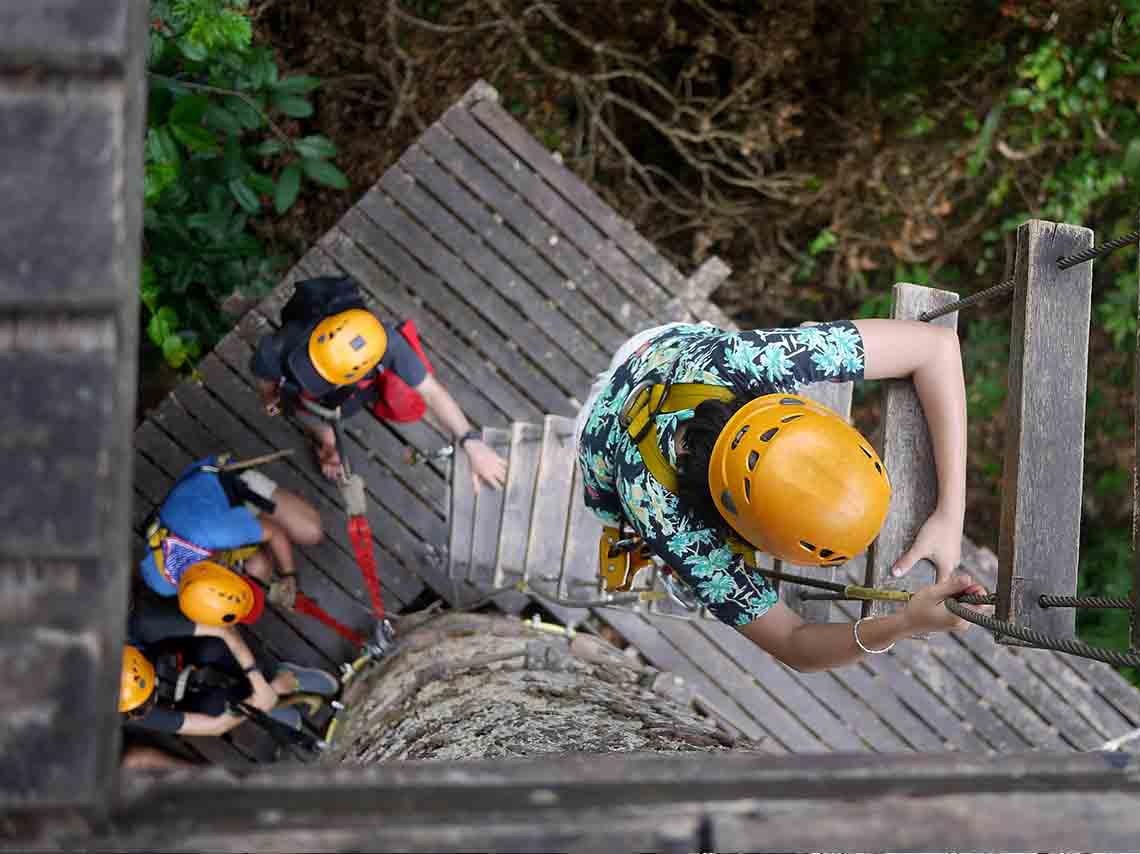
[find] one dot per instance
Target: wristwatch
(468, 436)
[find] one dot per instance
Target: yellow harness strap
(644, 401)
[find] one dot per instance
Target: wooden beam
(72, 103)
(909, 459)
(1039, 544)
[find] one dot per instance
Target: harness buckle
(633, 402)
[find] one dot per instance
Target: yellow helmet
(341, 349)
(797, 481)
(212, 595)
(138, 679)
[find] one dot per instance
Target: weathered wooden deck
(522, 283)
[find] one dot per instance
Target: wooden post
(1039, 545)
(72, 102)
(909, 460)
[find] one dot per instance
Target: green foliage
(216, 156)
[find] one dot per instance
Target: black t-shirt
(161, 631)
(270, 359)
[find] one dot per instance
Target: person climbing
(333, 351)
(232, 517)
(183, 677)
(696, 439)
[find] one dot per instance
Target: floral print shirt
(619, 487)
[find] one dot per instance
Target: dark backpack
(314, 299)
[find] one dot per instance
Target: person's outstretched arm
(486, 465)
(930, 356)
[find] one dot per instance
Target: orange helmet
(138, 679)
(797, 481)
(341, 349)
(212, 595)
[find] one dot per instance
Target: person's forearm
(444, 407)
(821, 646)
(941, 390)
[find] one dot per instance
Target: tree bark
(474, 686)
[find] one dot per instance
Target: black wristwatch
(468, 436)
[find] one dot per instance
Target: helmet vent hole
(752, 458)
(838, 559)
(878, 468)
(826, 552)
(788, 418)
(767, 435)
(748, 490)
(806, 546)
(790, 401)
(865, 451)
(229, 618)
(739, 435)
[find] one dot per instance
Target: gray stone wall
(72, 107)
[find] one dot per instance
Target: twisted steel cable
(1115, 657)
(1097, 251)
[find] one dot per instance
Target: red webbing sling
(304, 605)
(360, 534)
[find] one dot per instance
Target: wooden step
(518, 502)
(578, 577)
(488, 519)
(554, 483)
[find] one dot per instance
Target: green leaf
(822, 242)
(192, 51)
(166, 148)
(316, 147)
(1131, 164)
(261, 184)
(157, 48)
(197, 139)
(291, 105)
(324, 173)
(297, 85)
(244, 196)
(245, 112)
(162, 325)
(222, 119)
(173, 351)
(269, 147)
(189, 110)
(288, 185)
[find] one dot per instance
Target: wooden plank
(579, 302)
(281, 634)
(645, 637)
(909, 460)
(578, 578)
(827, 716)
(578, 193)
(554, 481)
(784, 727)
(461, 522)
(544, 237)
(1102, 717)
(535, 303)
(1110, 687)
(488, 519)
(837, 397)
(479, 336)
(518, 502)
(1042, 477)
(570, 223)
(338, 251)
(390, 536)
(544, 335)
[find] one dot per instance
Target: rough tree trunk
(473, 686)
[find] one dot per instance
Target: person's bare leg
(300, 520)
(146, 757)
(260, 566)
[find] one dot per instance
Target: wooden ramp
(522, 282)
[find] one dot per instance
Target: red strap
(304, 605)
(409, 331)
(360, 533)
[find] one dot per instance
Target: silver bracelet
(859, 643)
